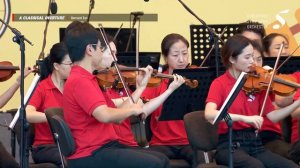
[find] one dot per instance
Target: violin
(7, 70)
(108, 77)
(258, 80)
(191, 83)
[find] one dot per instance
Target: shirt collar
(82, 71)
(49, 83)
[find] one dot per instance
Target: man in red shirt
(118, 96)
(90, 113)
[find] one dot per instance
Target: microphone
(137, 13)
(53, 7)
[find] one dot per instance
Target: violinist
(270, 133)
(6, 160)
(254, 31)
(294, 151)
(89, 111)
(124, 129)
(237, 56)
(272, 44)
(169, 137)
(49, 93)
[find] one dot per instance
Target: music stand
(223, 112)
(184, 99)
(291, 66)
(131, 60)
(154, 57)
(200, 43)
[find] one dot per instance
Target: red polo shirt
(82, 95)
(295, 134)
(124, 129)
(45, 96)
(243, 104)
(164, 132)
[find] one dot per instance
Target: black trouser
(273, 142)
(176, 152)
(6, 160)
(294, 152)
(251, 153)
(116, 155)
(46, 154)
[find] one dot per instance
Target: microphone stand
(24, 153)
(92, 4)
(208, 54)
(212, 34)
(135, 19)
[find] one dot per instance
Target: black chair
(61, 132)
(175, 163)
(29, 139)
(202, 137)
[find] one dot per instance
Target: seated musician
(272, 44)
(89, 111)
(118, 96)
(49, 93)
(237, 56)
(169, 137)
(270, 133)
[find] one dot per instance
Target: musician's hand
(254, 120)
(143, 77)
(177, 82)
(27, 71)
(136, 109)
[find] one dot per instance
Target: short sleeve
(88, 95)
(37, 97)
(215, 93)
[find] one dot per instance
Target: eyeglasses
(102, 48)
(67, 63)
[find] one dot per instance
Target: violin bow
(271, 80)
(115, 63)
(137, 123)
(287, 58)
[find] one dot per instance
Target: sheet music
(26, 98)
(238, 81)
